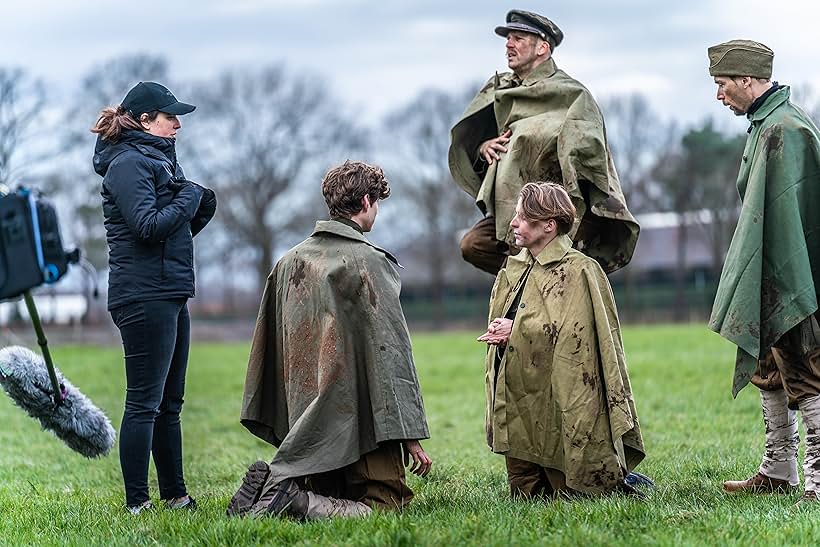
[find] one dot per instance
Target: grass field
(696, 436)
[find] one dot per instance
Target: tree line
(263, 137)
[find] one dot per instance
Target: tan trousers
(480, 248)
(530, 480)
(789, 379)
(793, 364)
(377, 479)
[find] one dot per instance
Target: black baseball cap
(150, 96)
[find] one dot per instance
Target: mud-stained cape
(771, 274)
(558, 135)
(331, 372)
(561, 396)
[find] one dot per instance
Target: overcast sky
(378, 54)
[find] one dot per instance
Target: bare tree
(260, 134)
(104, 85)
(634, 132)
(71, 177)
(22, 99)
(669, 173)
(419, 134)
(697, 176)
(712, 162)
(807, 98)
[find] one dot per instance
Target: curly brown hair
(345, 185)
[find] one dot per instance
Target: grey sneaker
(145, 506)
(285, 499)
(188, 503)
(249, 491)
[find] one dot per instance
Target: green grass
(696, 436)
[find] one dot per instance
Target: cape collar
(544, 70)
(554, 251)
(757, 103)
(348, 232)
(772, 101)
(349, 222)
(541, 72)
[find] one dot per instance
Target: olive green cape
(771, 273)
(331, 372)
(561, 397)
(558, 135)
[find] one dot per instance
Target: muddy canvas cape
(561, 396)
(772, 270)
(331, 372)
(558, 135)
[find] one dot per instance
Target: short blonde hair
(547, 200)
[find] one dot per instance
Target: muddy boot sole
(249, 491)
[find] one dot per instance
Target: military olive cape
(770, 277)
(558, 135)
(561, 396)
(331, 372)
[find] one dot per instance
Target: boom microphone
(31, 253)
(76, 421)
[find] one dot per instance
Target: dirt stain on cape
(300, 364)
(774, 140)
(551, 331)
(297, 274)
(613, 205)
(332, 364)
(556, 283)
(371, 293)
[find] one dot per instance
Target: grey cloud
(355, 44)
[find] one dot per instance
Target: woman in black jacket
(151, 215)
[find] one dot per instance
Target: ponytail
(113, 121)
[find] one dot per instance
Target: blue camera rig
(31, 249)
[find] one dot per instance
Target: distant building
(656, 255)
(55, 308)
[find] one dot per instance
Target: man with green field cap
(538, 123)
(766, 302)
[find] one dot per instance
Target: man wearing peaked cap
(767, 299)
(526, 21)
(536, 123)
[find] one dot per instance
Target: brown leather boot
(759, 484)
(249, 491)
(285, 499)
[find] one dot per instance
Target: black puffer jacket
(151, 215)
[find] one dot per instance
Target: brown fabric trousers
(480, 248)
(767, 376)
(793, 363)
(377, 479)
(530, 480)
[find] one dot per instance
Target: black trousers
(155, 337)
